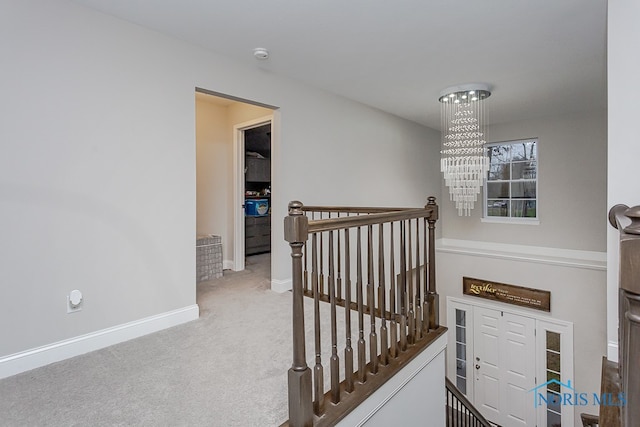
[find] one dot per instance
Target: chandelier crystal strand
(464, 160)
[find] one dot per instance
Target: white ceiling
(542, 57)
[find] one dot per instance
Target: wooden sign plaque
(510, 294)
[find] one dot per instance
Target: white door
(487, 365)
(504, 364)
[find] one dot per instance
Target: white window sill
(505, 220)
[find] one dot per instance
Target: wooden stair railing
(626, 378)
(378, 264)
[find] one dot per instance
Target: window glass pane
(523, 208)
(461, 317)
(553, 386)
(553, 419)
(500, 153)
(517, 152)
(461, 383)
(461, 351)
(461, 368)
(497, 207)
(499, 171)
(460, 334)
(553, 401)
(525, 150)
(523, 170)
(553, 341)
(531, 150)
(497, 190)
(521, 190)
(553, 361)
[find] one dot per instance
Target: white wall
(572, 186)
(337, 153)
(624, 149)
(98, 171)
(214, 172)
(214, 166)
(97, 177)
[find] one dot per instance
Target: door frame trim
(238, 184)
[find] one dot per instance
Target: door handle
(477, 366)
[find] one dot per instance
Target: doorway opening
(220, 169)
(252, 190)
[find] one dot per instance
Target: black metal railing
(461, 412)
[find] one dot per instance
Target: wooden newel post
(629, 311)
(296, 232)
(433, 297)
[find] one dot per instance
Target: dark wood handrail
(351, 209)
(466, 403)
(316, 226)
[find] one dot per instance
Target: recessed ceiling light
(261, 53)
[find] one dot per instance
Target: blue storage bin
(256, 207)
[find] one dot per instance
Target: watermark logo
(555, 393)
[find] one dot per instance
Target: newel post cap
(296, 224)
(295, 208)
(431, 203)
(633, 214)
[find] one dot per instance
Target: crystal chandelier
(464, 161)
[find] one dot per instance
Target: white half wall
(623, 150)
(415, 396)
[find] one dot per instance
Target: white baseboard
(228, 264)
(281, 286)
(612, 351)
(41, 356)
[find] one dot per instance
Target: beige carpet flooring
(227, 368)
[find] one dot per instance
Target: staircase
(460, 411)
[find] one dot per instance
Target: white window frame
(565, 329)
(451, 345)
(513, 220)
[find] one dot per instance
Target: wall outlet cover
(74, 301)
